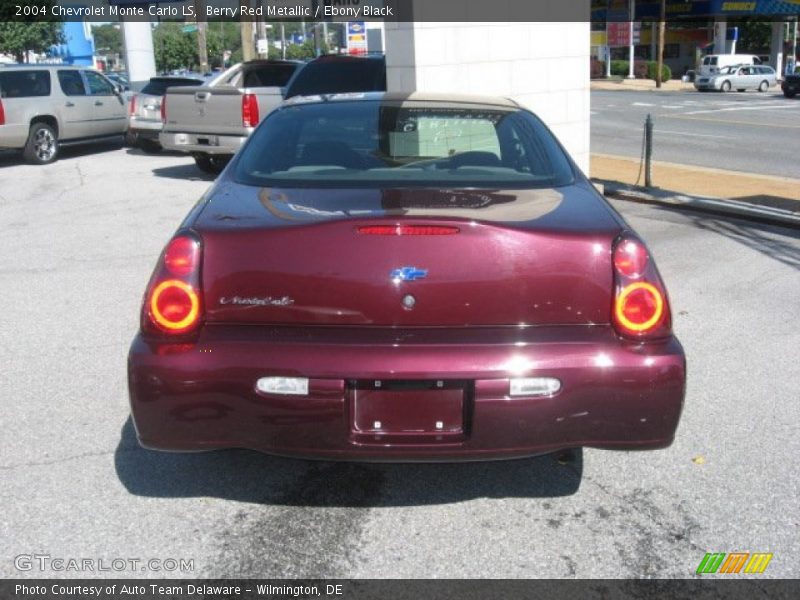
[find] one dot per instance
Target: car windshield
(402, 144)
(727, 70)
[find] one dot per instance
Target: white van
(711, 64)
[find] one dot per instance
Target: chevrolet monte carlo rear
(405, 277)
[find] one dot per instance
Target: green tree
(17, 38)
(173, 48)
(107, 39)
(754, 35)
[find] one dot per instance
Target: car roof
(43, 66)
(400, 97)
(376, 56)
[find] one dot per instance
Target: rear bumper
(205, 143)
(145, 129)
(202, 396)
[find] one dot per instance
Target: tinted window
(338, 77)
(71, 83)
(24, 84)
(375, 144)
(98, 85)
(268, 75)
(158, 87)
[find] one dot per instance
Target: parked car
(119, 78)
(740, 78)
(46, 107)
(212, 121)
(791, 85)
(405, 277)
(144, 113)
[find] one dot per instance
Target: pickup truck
(212, 121)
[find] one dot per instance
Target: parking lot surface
(79, 240)
(748, 132)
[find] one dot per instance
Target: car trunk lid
(475, 258)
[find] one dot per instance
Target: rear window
(394, 144)
(24, 84)
(158, 87)
(339, 77)
(268, 76)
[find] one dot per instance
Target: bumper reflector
(286, 386)
(534, 386)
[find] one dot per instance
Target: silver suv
(44, 107)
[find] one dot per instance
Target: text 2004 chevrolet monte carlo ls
(405, 277)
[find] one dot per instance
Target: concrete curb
(729, 208)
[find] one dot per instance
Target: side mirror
(118, 89)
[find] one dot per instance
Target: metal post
(648, 151)
(661, 27)
(631, 53)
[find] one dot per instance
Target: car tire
(789, 94)
(763, 86)
(740, 90)
(42, 145)
(726, 86)
(149, 146)
(211, 164)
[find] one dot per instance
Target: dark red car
(394, 277)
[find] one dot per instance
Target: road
(79, 240)
(749, 131)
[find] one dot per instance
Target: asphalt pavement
(749, 131)
(79, 240)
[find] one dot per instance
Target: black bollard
(648, 151)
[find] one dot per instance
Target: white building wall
(543, 66)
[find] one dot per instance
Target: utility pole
(661, 27)
(248, 51)
(202, 48)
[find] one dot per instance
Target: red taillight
(174, 305)
(173, 300)
(407, 230)
(181, 256)
(641, 309)
(249, 110)
(164, 109)
(630, 258)
(2, 114)
(132, 105)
